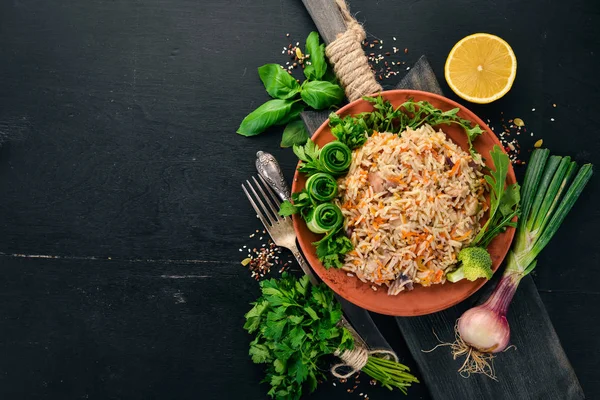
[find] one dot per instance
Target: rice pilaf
(410, 202)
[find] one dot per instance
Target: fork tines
(267, 213)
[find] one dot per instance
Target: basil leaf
(329, 76)
(264, 116)
(309, 72)
(278, 82)
(294, 113)
(317, 57)
(321, 94)
(294, 133)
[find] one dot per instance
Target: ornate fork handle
(269, 169)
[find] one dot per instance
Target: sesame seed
(533, 109)
(394, 38)
(552, 119)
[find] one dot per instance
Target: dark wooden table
(121, 214)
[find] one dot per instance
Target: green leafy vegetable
(293, 114)
(295, 325)
(332, 248)
(295, 133)
(265, 116)
(301, 203)
(349, 130)
(309, 155)
(278, 82)
(317, 67)
(321, 94)
(504, 202)
(320, 90)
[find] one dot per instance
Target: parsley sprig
(295, 324)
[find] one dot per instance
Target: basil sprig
(319, 91)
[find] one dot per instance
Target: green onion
(547, 195)
(324, 218)
(336, 157)
(321, 187)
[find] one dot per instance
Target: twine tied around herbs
(354, 360)
(349, 61)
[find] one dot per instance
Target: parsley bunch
(295, 324)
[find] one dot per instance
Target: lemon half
(481, 68)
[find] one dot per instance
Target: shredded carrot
(455, 169)
(438, 276)
(463, 237)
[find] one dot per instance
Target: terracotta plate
(421, 300)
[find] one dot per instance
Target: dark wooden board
(125, 114)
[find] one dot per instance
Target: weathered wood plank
(327, 18)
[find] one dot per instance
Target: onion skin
(485, 327)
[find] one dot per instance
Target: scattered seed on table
(533, 109)
(539, 143)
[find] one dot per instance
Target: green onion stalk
(325, 217)
(551, 186)
(336, 157)
(321, 187)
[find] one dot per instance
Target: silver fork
(282, 231)
(279, 228)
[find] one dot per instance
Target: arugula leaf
(510, 199)
(318, 65)
(265, 116)
(321, 94)
(293, 341)
(295, 133)
(278, 82)
(504, 203)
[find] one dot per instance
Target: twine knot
(349, 62)
(354, 360)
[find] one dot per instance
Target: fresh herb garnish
(349, 130)
(332, 249)
(475, 261)
(319, 91)
(386, 118)
(295, 133)
(318, 65)
(504, 202)
(295, 324)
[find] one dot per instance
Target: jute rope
(349, 62)
(354, 360)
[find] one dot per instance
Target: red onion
(485, 327)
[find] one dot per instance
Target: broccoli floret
(475, 263)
